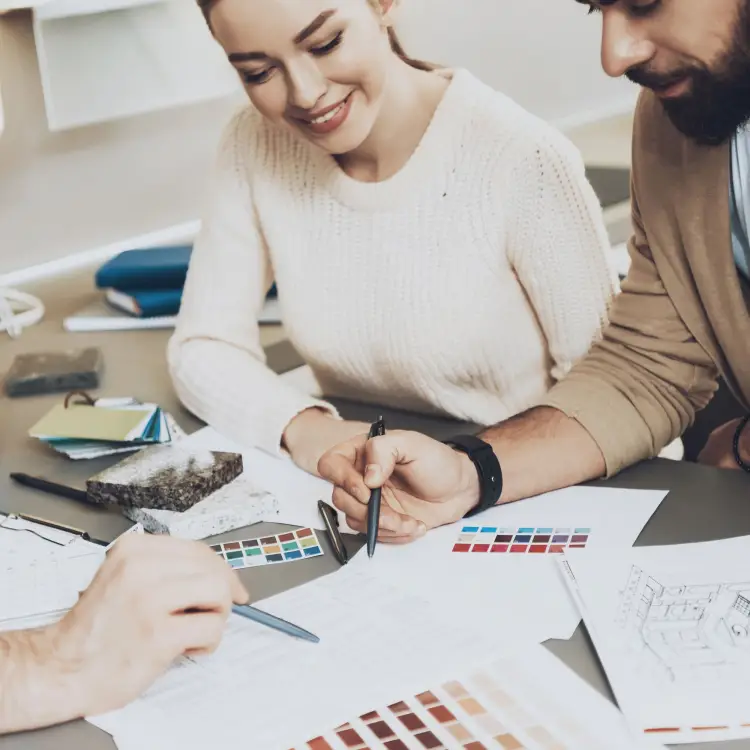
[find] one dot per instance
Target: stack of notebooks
(146, 283)
(142, 288)
(109, 426)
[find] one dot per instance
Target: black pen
(61, 527)
(331, 521)
(373, 507)
(53, 488)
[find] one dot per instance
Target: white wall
(543, 53)
(66, 192)
(62, 193)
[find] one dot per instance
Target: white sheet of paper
(264, 688)
(41, 580)
(671, 626)
(501, 587)
(43, 591)
(522, 595)
(133, 738)
(23, 542)
(297, 492)
(527, 700)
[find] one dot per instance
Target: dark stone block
(166, 477)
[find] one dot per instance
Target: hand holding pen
(427, 484)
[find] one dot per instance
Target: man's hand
(313, 432)
(718, 449)
(154, 599)
(425, 483)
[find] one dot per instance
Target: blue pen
(271, 621)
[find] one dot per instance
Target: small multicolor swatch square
(524, 540)
(268, 550)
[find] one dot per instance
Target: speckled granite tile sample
(165, 477)
(234, 506)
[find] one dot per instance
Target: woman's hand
(313, 432)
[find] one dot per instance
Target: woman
(435, 247)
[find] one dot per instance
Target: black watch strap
(487, 466)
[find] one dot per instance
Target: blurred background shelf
(106, 64)
(62, 8)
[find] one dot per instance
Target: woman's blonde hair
(396, 46)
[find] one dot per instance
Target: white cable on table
(18, 310)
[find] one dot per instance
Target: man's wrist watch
(488, 469)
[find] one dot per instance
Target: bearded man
(679, 324)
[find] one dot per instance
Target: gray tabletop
(703, 504)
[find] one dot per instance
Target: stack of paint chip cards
(269, 550)
(104, 427)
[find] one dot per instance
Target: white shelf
(70, 7)
(66, 8)
(112, 64)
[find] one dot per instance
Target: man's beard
(718, 102)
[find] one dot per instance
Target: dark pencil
(53, 488)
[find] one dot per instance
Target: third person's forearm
(36, 689)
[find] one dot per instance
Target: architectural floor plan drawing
(685, 632)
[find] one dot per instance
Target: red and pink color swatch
(524, 540)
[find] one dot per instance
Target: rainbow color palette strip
(523, 540)
(268, 550)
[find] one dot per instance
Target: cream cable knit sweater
(466, 284)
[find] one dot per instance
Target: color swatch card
(671, 626)
(269, 550)
(107, 427)
(500, 566)
(523, 540)
(529, 702)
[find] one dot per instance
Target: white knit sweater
(464, 285)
